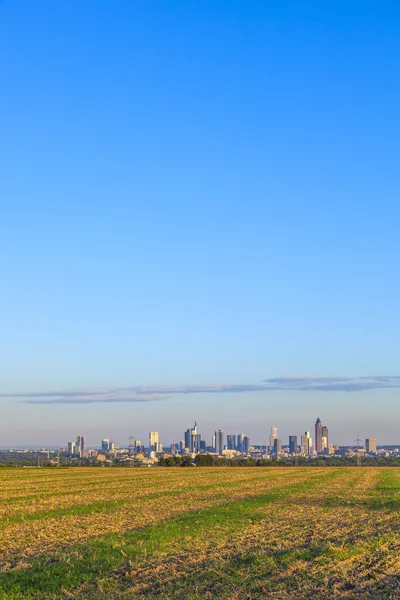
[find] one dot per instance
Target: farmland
(200, 533)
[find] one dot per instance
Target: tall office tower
(239, 442)
(272, 437)
(324, 442)
(80, 444)
(231, 442)
(196, 439)
(293, 444)
(153, 441)
(219, 441)
(187, 438)
(246, 444)
(325, 434)
(192, 438)
(138, 446)
(71, 448)
(318, 435)
(197, 442)
(370, 445)
(304, 445)
(182, 445)
(105, 444)
(310, 444)
(277, 446)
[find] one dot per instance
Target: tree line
(207, 460)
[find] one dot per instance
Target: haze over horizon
(199, 219)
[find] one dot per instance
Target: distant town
(192, 449)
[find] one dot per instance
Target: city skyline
(194, 441)
(228, 445)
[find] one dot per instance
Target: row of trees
(207, 460)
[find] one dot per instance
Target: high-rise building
(370, 445)
(231, 442)
(71, 448)
(187, 438)
(246, 444)
(293, 444)
(304, 445)
(192, 439)
(153, 441)
(80, 445)
(325, 434)
(272, 437)
(318, 435)
(219, 441)
(105, 444)
(239, 443)
(277, 446)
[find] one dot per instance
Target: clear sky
(199, 193)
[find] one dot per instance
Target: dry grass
(200, 533)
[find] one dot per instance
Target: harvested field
(240, 533)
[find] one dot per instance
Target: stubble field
(189, 533)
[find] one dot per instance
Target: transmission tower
(359, 442)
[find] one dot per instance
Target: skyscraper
(80, 445)
(71, 449)
(325, 434)
(272, 437)
(153, 441)
(231, 442)
(370, 445)
(304, 445)
(277, 446)
(318, 436)
(192, 438)
(219, 441)
(293, 444)
(239, 443)
(246, 444)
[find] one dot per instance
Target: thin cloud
(201, 389)
(91, 399)
(146, 393)
(334, 384)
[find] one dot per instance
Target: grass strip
(86, 564)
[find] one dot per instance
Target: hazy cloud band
(143, 393)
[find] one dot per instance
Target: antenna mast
(359, 442)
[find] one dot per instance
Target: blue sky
(198, 193)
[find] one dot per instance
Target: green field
(200, 533)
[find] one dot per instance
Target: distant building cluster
(231, 446)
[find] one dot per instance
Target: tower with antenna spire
(318, 436)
